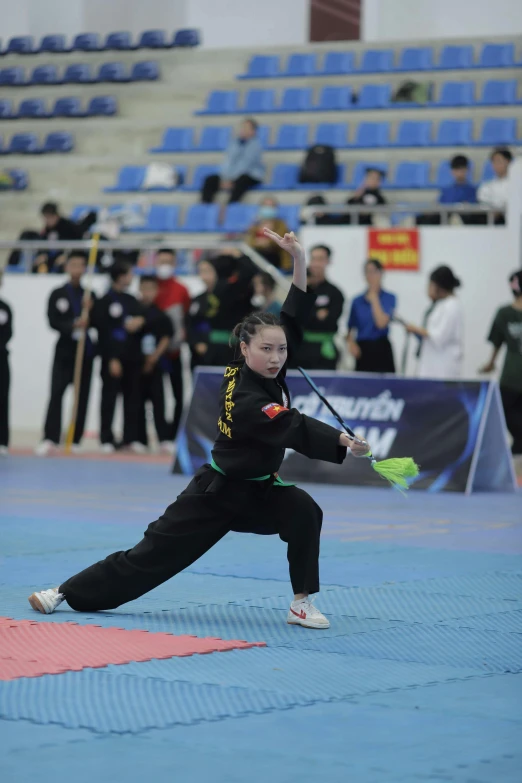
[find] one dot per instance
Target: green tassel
(397, 471)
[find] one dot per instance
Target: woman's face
(208, 274)
(433, 291)
(373, 276)
(267, 351)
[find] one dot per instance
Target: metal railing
(400, 210)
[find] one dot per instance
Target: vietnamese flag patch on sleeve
(273, 409)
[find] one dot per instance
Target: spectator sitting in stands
(494, 192)
(369, 193)
(461, 191)
(57, 227)
(242, 168)
(264, 294)
(255, 237)
(324, 218)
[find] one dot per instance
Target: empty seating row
(91, 42)
(80, 73)
(380, 61)
(343, 98)
(36, 108)
(410, 133)
(284, 176)
(19, 178)
(29, 144)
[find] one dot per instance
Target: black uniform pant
(152, 389)
(512, 404)
(63, 375)
(240, 186)
(129, 386)
(376, 356)
(4, 397)
(206, 510)
(176, 381)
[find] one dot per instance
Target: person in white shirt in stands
(494, 192)
(442, 334)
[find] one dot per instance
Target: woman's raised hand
(288, 242)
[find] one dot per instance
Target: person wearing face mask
(6, 333)
(318, 350)
(442, 334)
(174, 299)
(118, 318)
(259, 241)
(264, 294)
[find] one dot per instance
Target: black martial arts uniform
(64, 307)
(115, 342)
(6, 332)
(157, 326)
(241, 491)
(318, 350)
(198, 328)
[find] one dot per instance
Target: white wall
(415, 20)
(223, 23)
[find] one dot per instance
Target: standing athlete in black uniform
(318, 350)
(6, 332)
(241, 489)
(64, 312)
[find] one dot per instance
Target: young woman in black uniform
(240, 490)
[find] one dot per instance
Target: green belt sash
(220, 337)
(327, 344)
(277, 483)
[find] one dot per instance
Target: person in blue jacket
(242, 168)
(461, 191)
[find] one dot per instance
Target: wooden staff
(80, 348)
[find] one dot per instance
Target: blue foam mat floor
(419, 677)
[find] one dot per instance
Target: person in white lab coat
(442, 334)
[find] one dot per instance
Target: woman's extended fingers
(272, 234)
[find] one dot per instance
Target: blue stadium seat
(339, 182)
(335, 99)
(86, 42)
(412, 133)
(372, 134)
(21, 44)
(102, 106)
(20, 178)
(284, 177)
(291, 137)
(416, 59)
(187, 37)
(290, 214)
(412, 175)
(33, 107)
(444, 176)
(457, 94)
(498, 131)
(12, 77)
(257, 101)
(214, 139)
(113, 72)
(23, 143)
(221, 102)
(262, 67)
(146, 71)
(454, 133)
(359, 171)
(334, 134)
(58, 141)
(263, 134)
(176, 140)
(497, 56)
(161, 217)
(6, 110)
(301, 65)
(153, 39)
(68, 107)
(53, 43)
(376, 61)
(130, 178)
(297, 99)
(487, 171)
(338, 63)
(374, 96)
(201, 217)
(200, 174)
(45, 74)
(497, 93)
(78, 73)
(239, 217)
(119, 41)
(455, 57)
(80, 210)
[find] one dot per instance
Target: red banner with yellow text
(395, 248)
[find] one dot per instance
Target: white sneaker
(167, 447)
(4, 451)
(76, 448)
(138, 448)
(43, 448)
(46, 601)
(107, 448)
(304, 613)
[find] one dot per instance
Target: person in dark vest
(64, 312)
(118, 318)
(318, 350)
(6, 332)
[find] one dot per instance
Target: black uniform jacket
(108, 316)
(6, 325)
(327, 297)
(64, 306)
(256, 423)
